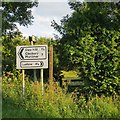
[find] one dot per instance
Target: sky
(43, 15)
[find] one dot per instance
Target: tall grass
(54, 103)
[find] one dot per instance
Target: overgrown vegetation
(54, 103)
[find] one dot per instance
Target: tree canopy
(16, 12)
(91, 43)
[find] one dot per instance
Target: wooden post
(50, 64)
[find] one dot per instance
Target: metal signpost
(32, 57)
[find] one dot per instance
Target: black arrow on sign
(21, 53)
(41, 63)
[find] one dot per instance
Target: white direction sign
(32, 57)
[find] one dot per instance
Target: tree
(91, 42)
(16, 12)
(12, 13)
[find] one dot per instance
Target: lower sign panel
(32, 64)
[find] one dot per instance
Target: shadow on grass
(12, 110)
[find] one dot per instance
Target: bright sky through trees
(43, 15)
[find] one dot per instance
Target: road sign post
(41, 75)
(23, 85)
(32, 57)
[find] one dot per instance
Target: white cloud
(43, 15)
(45, 20)
(53, 0)
(59, 9)
(47, 34)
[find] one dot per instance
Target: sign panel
(32, 57)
